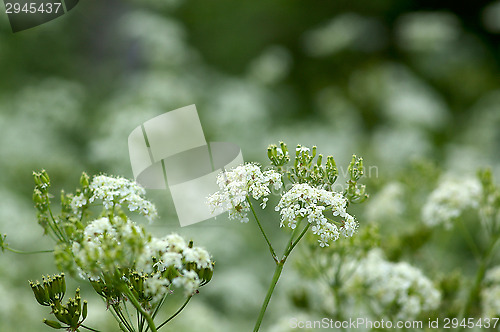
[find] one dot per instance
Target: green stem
(277, 273)
(118, 320)
(274, 282)
(483, 265)
(128, 315)
(120, 315)
(289, 250)
(273, 253)
(89, 328)
(158, 306)
(142, 321)
(176, 313)
(60, 234)
(27, 252)
(138, 306)
(139, 327)
(124, 326)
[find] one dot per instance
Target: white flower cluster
(161, 257)
(117, 191)
(449, 199)
(396, 288)
(108, 243)
(304, 201)
(237, 184)
(490, 295)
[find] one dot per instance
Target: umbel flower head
(118, 250)
(50, 293)
(305, 202)
(112, 251)
(170, 261)
(309, 197)
(236, 185)
(115, 192)
(397, 289)
(108, 243)
(450, 199)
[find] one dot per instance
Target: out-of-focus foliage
(412, 86)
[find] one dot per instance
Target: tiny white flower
(117, 191)
(240, 183)
(305, 201)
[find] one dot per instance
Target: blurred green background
(399, 82)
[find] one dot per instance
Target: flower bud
(270, 154)
(36, 177)
(84, 310)
(205, 275)
(41, 293)
(284, 148)
(53, 324)
(45, 177)
(84, 180)
(38, 197)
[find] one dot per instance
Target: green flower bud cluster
(136, 285)
(305, 168)
(71, 312)
(278, 156)
(50, 293)
(106, 291)
(308, 168)
(42, 200)
(356, 193)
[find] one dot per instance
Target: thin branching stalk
(138, 306)
(271, 249)
(176, 313)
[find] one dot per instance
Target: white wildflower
(160, 256)
(117, 191)
(303, 201)
(77, 202)
(108, 244)
(490, 295)
(157, 287)
(238, 184)
(396, 288)
(189, 281)
(197, 255)
(450, 199)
